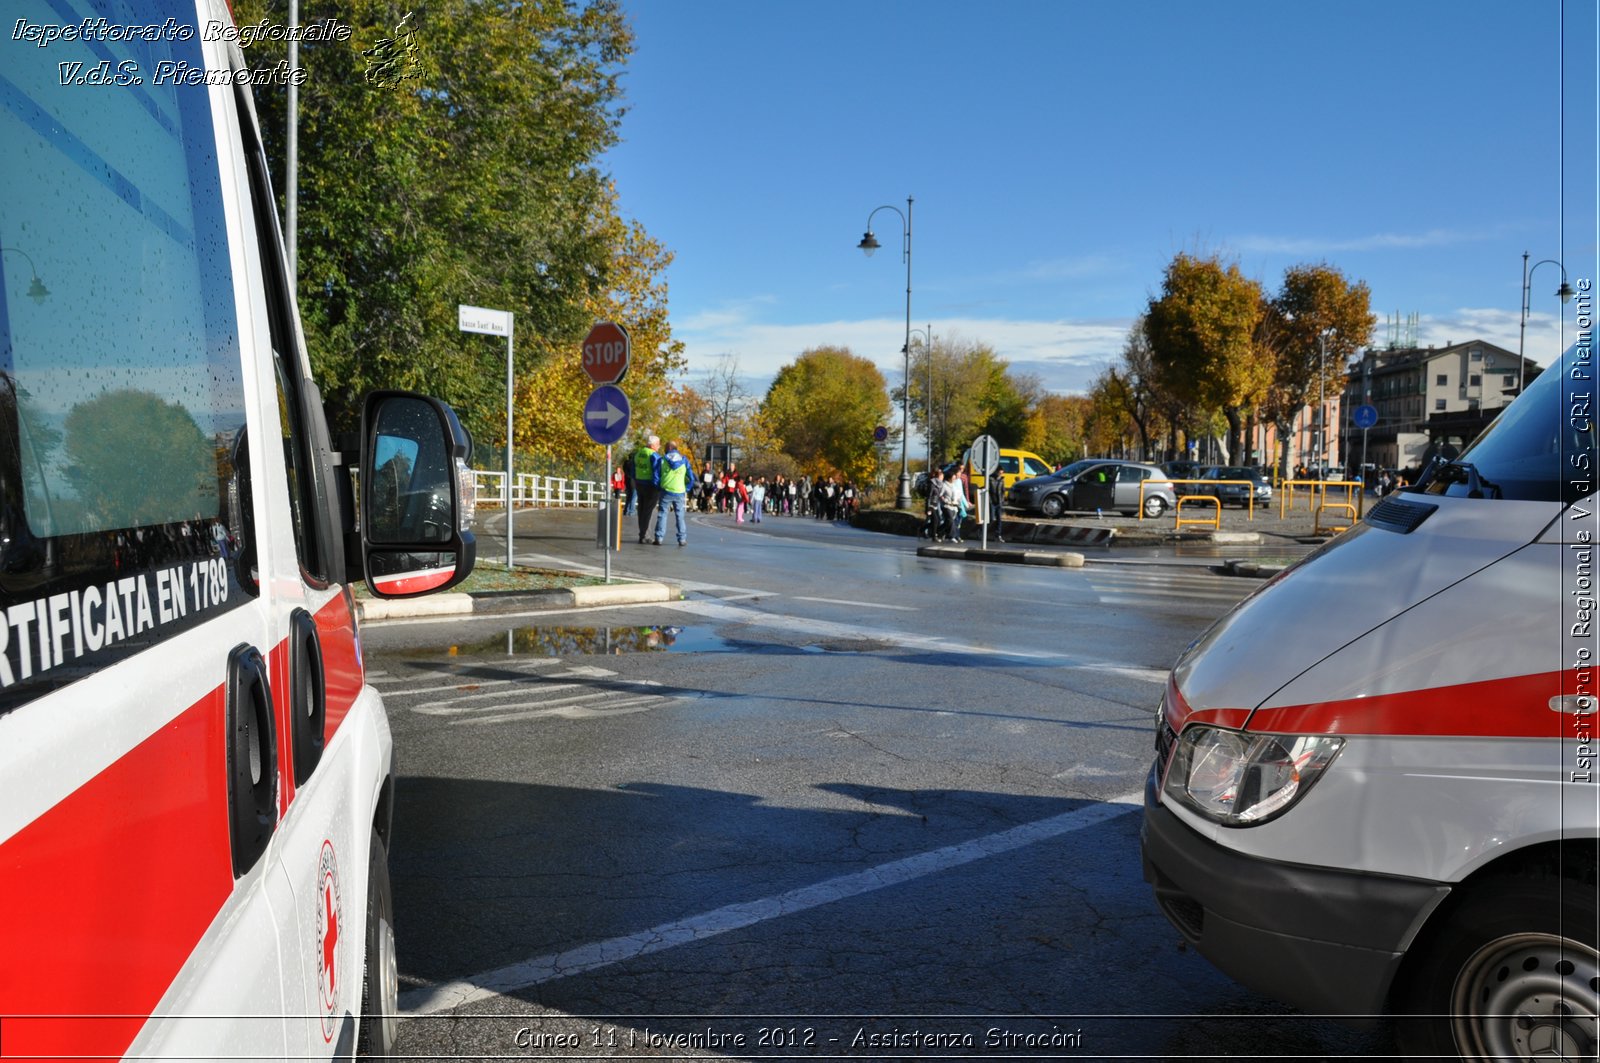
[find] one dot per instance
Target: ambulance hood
(1410, 548)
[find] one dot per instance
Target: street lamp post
(36, 289)
(1564, 292)
(927, 395)
(869, 244)
(1322, 404)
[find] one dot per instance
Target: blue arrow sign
(1364, 416)
(605, 415)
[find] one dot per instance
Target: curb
(596, 595)
(1065, 559)
(1022, 530)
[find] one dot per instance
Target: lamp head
(1565, 292)
(39, 293)
(869, 244)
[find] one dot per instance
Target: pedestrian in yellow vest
(645, 463)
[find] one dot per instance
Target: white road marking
(783, 622)
(857, 605)
(582, 959)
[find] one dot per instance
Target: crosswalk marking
(577, 692)
(1129, 586)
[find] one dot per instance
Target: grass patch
(491, 577)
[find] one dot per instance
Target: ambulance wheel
(1511, 974)
(380, 977)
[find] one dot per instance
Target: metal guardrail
(1316, 525)
(1249, 496)
(1215, 519)
(531, 489)
(1354, 495)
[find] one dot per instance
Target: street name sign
(606, 414)
(605, 353)
(482, 319)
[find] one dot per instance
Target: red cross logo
(330, 935)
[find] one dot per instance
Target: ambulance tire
(380, 975)
(1519, 945)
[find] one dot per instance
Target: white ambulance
(1375, 784)
(195, 779)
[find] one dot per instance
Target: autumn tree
(1201, 330)
(1107, 425)
(824, 406)
(1134, 382)
(549, 424)
(1063, 421)
(1316, 323)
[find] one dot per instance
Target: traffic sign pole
(497, 323)
(985, 455)
(1365, 416)
(605, 509)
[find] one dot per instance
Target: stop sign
(605, 353)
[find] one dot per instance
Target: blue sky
(1060, 152)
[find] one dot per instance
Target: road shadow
(875, 921)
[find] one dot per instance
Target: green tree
(137, 460)
(1202, 330)
(476, 181)
(824, 406)
(973, 392)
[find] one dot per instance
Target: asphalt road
(840, 801)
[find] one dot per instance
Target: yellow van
(1014, 465)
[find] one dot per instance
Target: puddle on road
(607, 641)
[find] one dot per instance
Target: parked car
(1043, 494)
(1101, 485)
(1014, 465)
(1182, 470)
(1230, 494)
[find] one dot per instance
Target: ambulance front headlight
(1240, 779)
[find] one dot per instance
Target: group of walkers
(952, 498)
(654, 481)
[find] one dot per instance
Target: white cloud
(1316, 245)
(1543, 344)
(1063, 354)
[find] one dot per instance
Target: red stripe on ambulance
(122, 879)
(111, 889)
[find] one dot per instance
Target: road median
(595, 595)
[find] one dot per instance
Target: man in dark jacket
(645, 463)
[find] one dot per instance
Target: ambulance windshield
(1542, 448)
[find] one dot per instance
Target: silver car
(1103, 485)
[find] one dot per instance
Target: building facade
(1427, 399)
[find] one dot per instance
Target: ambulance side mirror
(417, 498)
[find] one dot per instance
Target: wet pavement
(840, 800)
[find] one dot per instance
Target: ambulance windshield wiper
(1467, 473)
